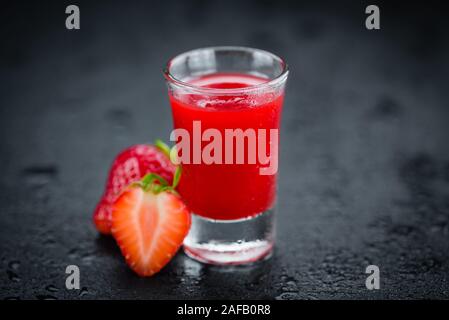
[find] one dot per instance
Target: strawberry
(149, 223)
(129, 166)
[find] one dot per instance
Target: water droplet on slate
(13, 276)
(120, 118)
(45, 297)
(49, 241)
(73, 253)
(14, 264)
(83, 292)
(51, 288)
(40, 174)
(287, 296)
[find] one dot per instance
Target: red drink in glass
(227, 191)
(224, 89)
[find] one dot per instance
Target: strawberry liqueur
(233, 204)
(227, 191)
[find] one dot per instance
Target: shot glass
(226, 106)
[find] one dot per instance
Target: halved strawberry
(130, 166)
(149, 223)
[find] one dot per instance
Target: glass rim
(170, 78)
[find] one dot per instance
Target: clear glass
(233, 203)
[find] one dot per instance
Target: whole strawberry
(129, 166)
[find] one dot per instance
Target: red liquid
(227, 191)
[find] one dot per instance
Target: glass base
(231, 242)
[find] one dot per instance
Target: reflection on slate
(364, 176)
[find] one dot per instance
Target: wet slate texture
(364, 173)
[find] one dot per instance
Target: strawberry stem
(157, 184)
(161, 145)
(165, 148)
(173, 155)
(177, 177)
(148, 181)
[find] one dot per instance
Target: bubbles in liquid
(226, 81)
(225, 103)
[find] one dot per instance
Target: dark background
(364, 160)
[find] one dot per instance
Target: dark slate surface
(364, 160)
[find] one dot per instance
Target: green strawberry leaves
(177, 176)
(161, 145)
(154, 182)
